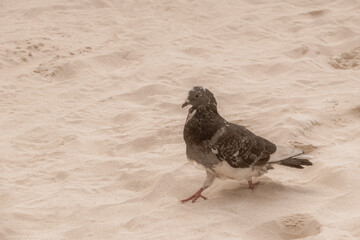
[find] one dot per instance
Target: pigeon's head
(200, 97)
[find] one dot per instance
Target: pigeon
(228, 150)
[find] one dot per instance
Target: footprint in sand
(298, 226)
(347, 60)
(18, 52)
(294, 226)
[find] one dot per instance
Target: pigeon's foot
(252, 185)
(195, 196)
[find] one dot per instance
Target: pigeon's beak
(186, 103)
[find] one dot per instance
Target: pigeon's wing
(240, 148)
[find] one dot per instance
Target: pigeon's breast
(202, 154)
(200, 126)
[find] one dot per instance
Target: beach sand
(91, 120)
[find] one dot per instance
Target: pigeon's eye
(196, 95)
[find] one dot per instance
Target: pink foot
(195, 196)
(252, 185)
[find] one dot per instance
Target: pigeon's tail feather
(295, 163)
(298, 161)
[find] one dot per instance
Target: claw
(195, 196)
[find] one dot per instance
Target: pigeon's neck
(210, 110)
(202, 125)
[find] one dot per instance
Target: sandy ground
(91, 121)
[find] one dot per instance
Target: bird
(228, 150)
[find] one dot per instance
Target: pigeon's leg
(252, 185)
(208, 181)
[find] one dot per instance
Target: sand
(91, 119)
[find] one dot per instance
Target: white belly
(224, 170)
